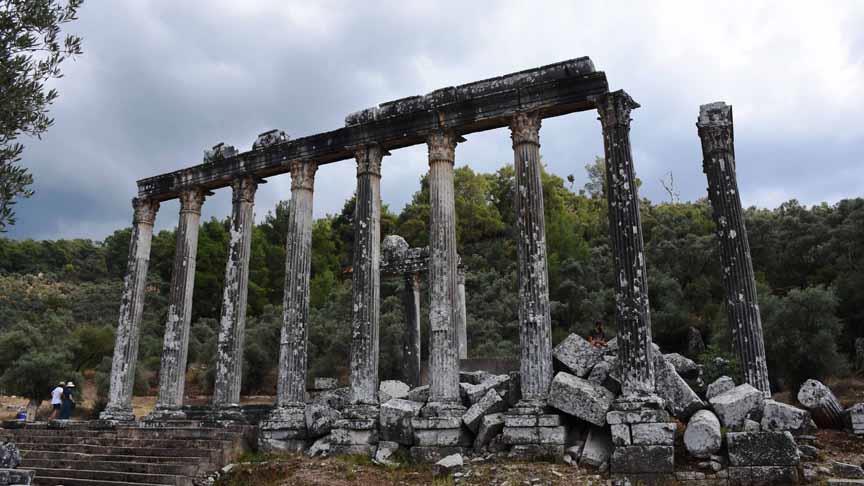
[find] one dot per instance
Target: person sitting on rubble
(597, 338)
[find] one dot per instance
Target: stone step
(211, 454)
(57, 456)
(134, 443)
(60, 481)
(181, 468)
(132, 432)
(115, 476)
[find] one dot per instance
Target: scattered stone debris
(735, 406)
(821, 402)
(719, 386)
(448, 465)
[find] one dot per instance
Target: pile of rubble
(731, 432)
(10, 459)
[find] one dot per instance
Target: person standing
(598, 336)
(68, 401)
(56, 401)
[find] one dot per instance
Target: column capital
(442, 146)
(191, 200)
(303, 174)
(369, 159)
(243, 189)
(715, 127)
(614, 108)
(525, 128)
(145, 210)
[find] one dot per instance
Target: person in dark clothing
(68, 401)
(597, 338)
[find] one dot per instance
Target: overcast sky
(160, 81)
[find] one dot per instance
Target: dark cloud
(160, 81)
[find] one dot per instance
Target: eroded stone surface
(580, 398)
(778, 416)
(821, 402)
(719, 386)
(762, 449)
(680, 399)
(598, 447)
(702, 438)
(736, 405)
(395, 420)
(392, 389)
(643, 459)
(577, 355)
(490, 403)
(490, 426)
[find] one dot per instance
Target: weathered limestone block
(821, 402)
(535, 435)
(762, 449)
(853, 417)
(490, 403)
(448, 465)
(389, 389)
(642, 416)
(621, 434)
(719, 386)
(740, 475)
(490, 426)
(680, 399)
(751, 426)
(419, 394)
(395, 420)
(385, 453)
(685, 367)
(580, 398)
(577, 355)
(737, 405)
(780, 417)
(324, 383)
(320, 418)
(661, 433)
(532, 420)
(643, 459)
(10, 456)
(337, 398)
(602, 374)
(320, 447)
(598, 447)
(849, 471)
(742, 304)
(473, 377)
(473, 393)
(702, 438)
(16, 477)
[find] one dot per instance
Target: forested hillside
(59, 299)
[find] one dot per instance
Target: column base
(228, 413)
(284, 429)
(440, 436)
(356, 432)
(162, 414)
(117, 414)
(532, 433)
(643, 434)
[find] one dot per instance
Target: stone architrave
(291, 384)
(742, 305)
(625, 232)
(232, 324)
(444, 341)
(461, 314)
(131, 307)
(366, 278)
(411, 341)
(535, 323)
(172, 373)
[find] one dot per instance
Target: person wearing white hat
(56, 400)
(68, 402)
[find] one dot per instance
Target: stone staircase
(79, 454)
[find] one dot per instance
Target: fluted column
(232, 324)
(535, 323)
(625, 233)
(411, 341)
(291, 387)
(461, 314)
(742, 303)
(365, 277)
(444, 341)
(172, 374)
(131, 307)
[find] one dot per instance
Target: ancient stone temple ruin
(611, 407)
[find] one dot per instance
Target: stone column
(232, 325)
(291, 387)
(443, 338)
(742, 304)
(411, 341)
(366, 277)
(625, 233)
(461, 314)
(172, 374)
(131, 307)
(535, 323)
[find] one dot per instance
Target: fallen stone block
(490, 403)
(662, 433)
(853, 418)
(321, 447)
(737, 405)
(385, 453)
(580, 398)
(395, 420)
(685, 367)
(702, 438)
(320, 418)
(535, 435)
(778, 416)
(389, 389)
(577, 355)
(472, 394)
(641, 416)
(680, 399)
(419, 394)
(621, 435)
(473, 377)
(821, 402)
(490, 426)
(602, 374)
(849, 471)
(448, 465)
(719, 386)
(598, 447)
(762, 449)
(643, 459)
